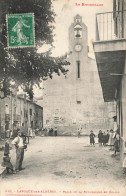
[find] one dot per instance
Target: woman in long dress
(111, 139)
(100, 138)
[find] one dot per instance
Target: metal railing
(110, 25)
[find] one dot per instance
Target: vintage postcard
(62, 98)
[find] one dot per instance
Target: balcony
(110, 25)
(109, 48)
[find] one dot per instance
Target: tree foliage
(24, 66)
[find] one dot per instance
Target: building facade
(16, 110)
(77, 101)
(110, 52)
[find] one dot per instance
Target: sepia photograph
(62, 97)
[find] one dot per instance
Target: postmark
(20, 30)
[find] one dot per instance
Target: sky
(66, 10)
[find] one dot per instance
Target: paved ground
(67, 164)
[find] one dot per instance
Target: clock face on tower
(78, 47)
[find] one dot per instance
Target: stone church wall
(74, 101)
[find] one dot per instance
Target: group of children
(103, 138)
(109, 138)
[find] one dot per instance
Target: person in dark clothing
(92, 135)
(15, 132)
(55, 133)
(107, 136)
(6, 148)
(100, 138)
(24, 131)
(51, 132)
(104, 139)
(6, 161)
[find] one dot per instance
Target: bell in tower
(78, 31)
(78, 27)
(77, 37)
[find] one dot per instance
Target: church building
(76, 100)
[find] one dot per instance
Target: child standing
(111, 139)
(104, 139)
(100, 138)
(92, 136)
(116, 143)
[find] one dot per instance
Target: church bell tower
(78, 47)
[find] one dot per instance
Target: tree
(24, 66)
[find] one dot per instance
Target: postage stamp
(20, 30)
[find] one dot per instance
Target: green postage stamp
(20, 30)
